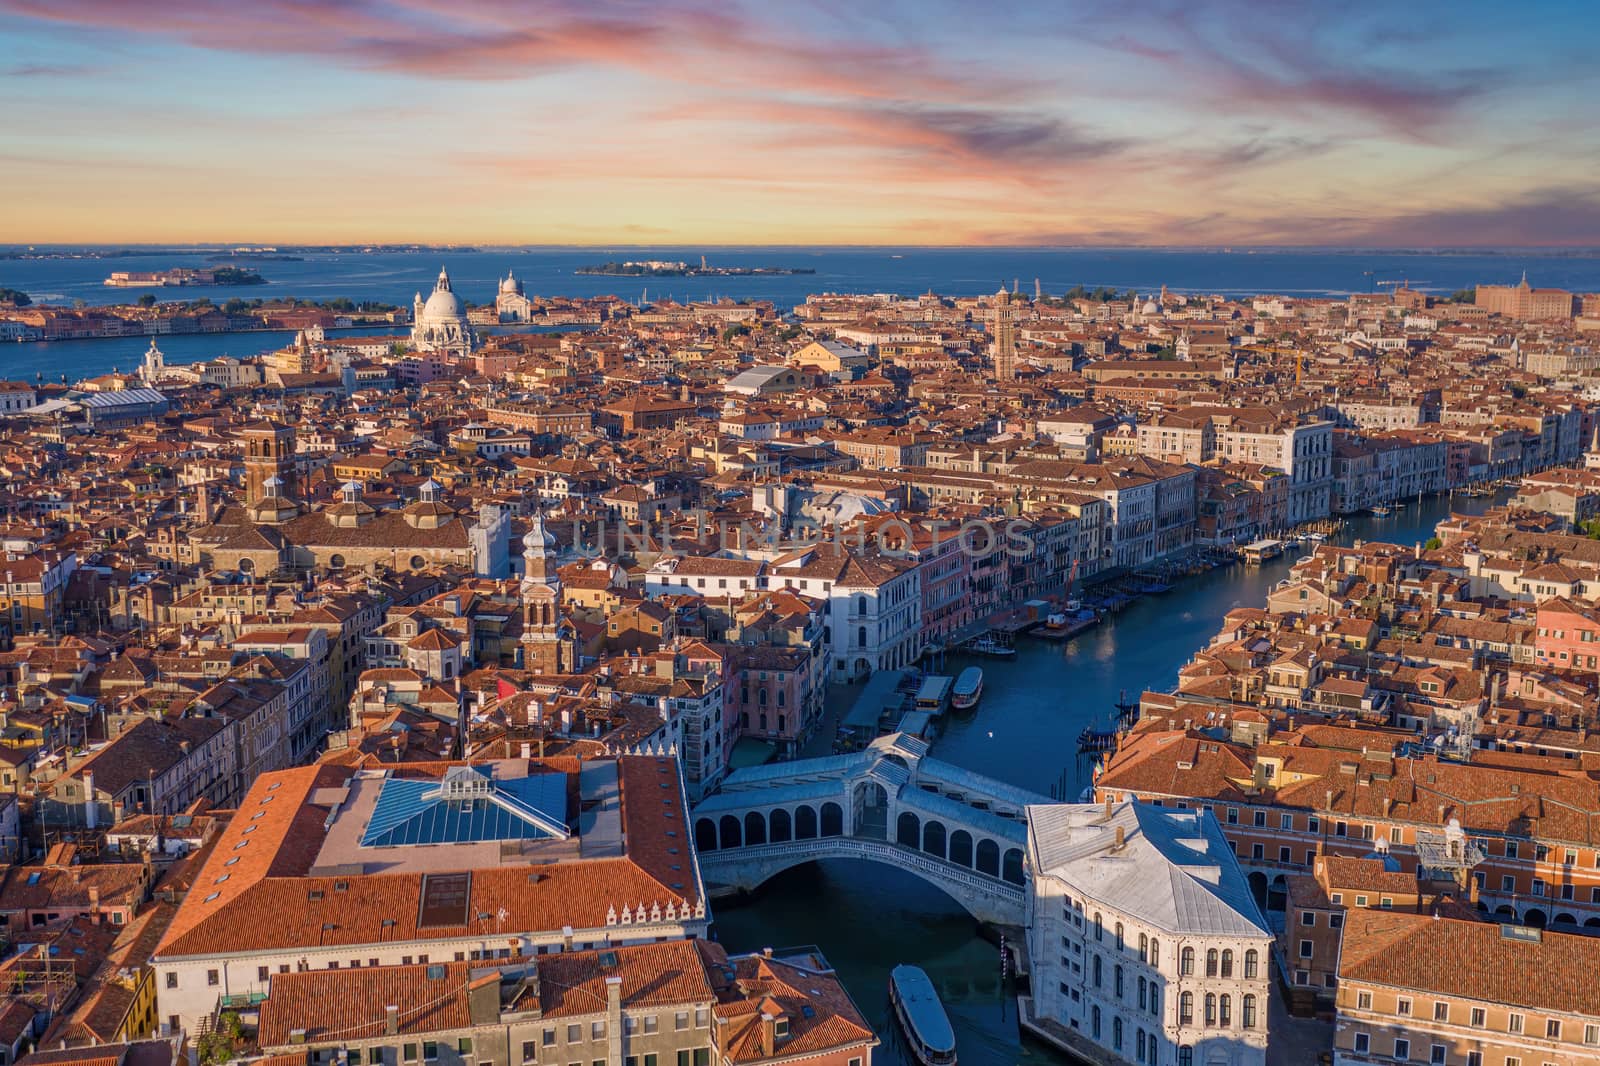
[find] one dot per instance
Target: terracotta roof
(1473, 960)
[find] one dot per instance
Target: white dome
(510, 285)
(443, 304)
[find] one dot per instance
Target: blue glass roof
(466, 807)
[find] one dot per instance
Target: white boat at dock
(968, 690)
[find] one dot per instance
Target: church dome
(511, 286)
(443, 304)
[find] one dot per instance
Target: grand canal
(867, 917)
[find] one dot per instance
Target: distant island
(179, 276)
(227, 256)
(659, 268)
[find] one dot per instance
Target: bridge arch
(908, 830)
(1011, 866)
(986, 899)
(805, 822)
(755, 829)
(870, 802)
(933, 838)
(705, 834)
(832, 819)
(780, 829)
(961, 848)
(988, 858)
(730, 837)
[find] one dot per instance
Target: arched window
(1144, 993)
(1099, 927)
(1250, 963)
(1211, 963)
(761, 697)
(1116, 979)
(1096, 968)
(1155, 953)
(1226, 1017)
(1144, 948)
(1186, 1008)
(781, 719)
(1249, 1012)
(1155, 999)
(861, 636)
(763, 722)
(861, 606)
(1094, 1022)
(1119, 936)
(1211, 1010)
(1116, 1034)
(781, 700)
(1186, 963)
(1227, 962)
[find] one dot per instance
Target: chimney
(91, 809)
(1121, 839)
(614, 1018)
(1108, 808)
(769, 1035)
(391, 1020)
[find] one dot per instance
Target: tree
(1463, 296)
(1433, 544)
(147, 300)
(15, 296)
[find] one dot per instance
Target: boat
(1261, 550)
(969, 687)
(1316, 537)
(933, 695)
(1064, 625)
(1382, 509)
(921, 1016)
(987, 645)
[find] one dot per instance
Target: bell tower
(549, 642)
(268, 454)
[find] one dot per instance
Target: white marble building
(1144, 938)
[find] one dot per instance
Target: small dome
(511, 286)
(1151, 307)
(537, 536)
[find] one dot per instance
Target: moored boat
(994, 649)
(922, 1017)
(969, 687)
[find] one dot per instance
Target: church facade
(440, 324)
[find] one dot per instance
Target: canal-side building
(1426, 988)
(1146, 944)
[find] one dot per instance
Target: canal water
(866, 918)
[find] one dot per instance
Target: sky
(1406, 123)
